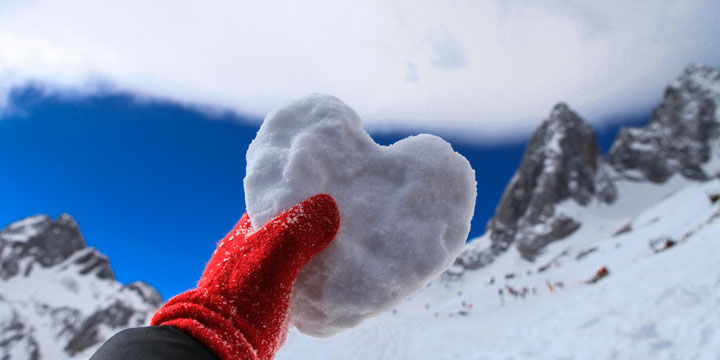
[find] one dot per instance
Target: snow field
(653, 305)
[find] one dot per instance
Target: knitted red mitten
(239, 309)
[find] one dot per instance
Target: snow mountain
(586, 257)
(58, 298)
(562, 162)
(682, 136)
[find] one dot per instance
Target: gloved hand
(239, 309)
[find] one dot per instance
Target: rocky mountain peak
(561, 162)
(564, 141)
(40, 241)
(59, 298)
(678, 137)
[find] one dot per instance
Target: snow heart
(405, 208)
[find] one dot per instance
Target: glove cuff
(210, 319)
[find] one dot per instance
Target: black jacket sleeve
(153, 343)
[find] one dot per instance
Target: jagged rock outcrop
(678, 137)
(561, 162)
(38, 241)
(59, 298)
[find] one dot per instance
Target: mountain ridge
(681, 137)
(563, 177)
(60, 298)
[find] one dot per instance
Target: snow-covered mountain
(683, 135)
(58, 298)
(562, 162)
(648, 215)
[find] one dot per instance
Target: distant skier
(668, 243)
(240, 308)
(502, 299)
(661, 245)
(601, 273)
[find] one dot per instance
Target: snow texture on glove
(406, 208)
(239, 309)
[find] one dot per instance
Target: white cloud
(447, 54)
(482, 66)
(412, 72)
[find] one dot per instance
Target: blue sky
(155, 184)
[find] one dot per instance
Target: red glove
(239, 309)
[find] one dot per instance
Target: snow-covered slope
(654, 304)
(58, 298)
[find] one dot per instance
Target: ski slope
(654, 304)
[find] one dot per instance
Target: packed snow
(657, 302)
(405, 208)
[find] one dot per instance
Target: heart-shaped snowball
(405, 208)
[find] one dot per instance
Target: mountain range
(530, 287)
(562, 161)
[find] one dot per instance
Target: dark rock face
(561, 162)
(677, 139)
(145, 291)
(474, 257)
(87, 303)
(87, 334)
(92, 262)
